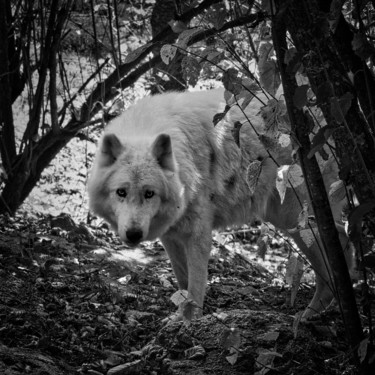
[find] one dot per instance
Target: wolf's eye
(121, 193)
(149, 194)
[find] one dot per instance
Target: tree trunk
(329, 236)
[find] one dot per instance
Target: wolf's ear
(162, 150)
(111, 149)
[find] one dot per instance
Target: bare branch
(104, 90)
(7, 145)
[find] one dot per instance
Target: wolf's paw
(173, 318)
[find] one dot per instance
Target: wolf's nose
(134, 235)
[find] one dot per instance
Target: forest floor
(74, 300)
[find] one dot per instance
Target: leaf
(300, 96)
(273, 115)
(247, 97)
(334, 15)
(269, 143)
(220, 316)
(191, 69)
(179, 297)
(294, 272)
(164, 281)
(320, 139)
(217, 14)
(229, 98)
(195, 352)
(362, 349)
(337, 192)
(339, 108)
(293, 63)
(231, 81)
(167, 53)
(355, 219)
(231, 338)
(308, 236)
(252, 175)
(3, 173)
(133, 55)
(269, 336)
(215, 57)
(284, 140)
(282, 181)
(295, 175)
(232, 359)
(269, 77)
(250, 85)
(265, 360)
(177, 26)
(292, 268)
(303, 217)
(361, 46)
(124, 280)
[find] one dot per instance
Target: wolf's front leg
(189, 254)
(198, 249)
(175, 248)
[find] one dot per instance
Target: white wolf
(163, 170)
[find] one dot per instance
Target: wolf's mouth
(132, 244)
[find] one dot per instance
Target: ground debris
(87, 304)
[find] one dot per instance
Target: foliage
(326, 108)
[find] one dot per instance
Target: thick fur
(180, 177)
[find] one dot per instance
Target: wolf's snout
(134, 235)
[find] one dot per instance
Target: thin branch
(8, 144)
(117, 30)
(97, 95)
(36, 108)
(104, 90)
(82, 87)
(53, 93)
(113, 46)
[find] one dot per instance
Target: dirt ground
(74, 300)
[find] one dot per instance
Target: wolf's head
(136, 188)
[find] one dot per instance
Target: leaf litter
(74, 296)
